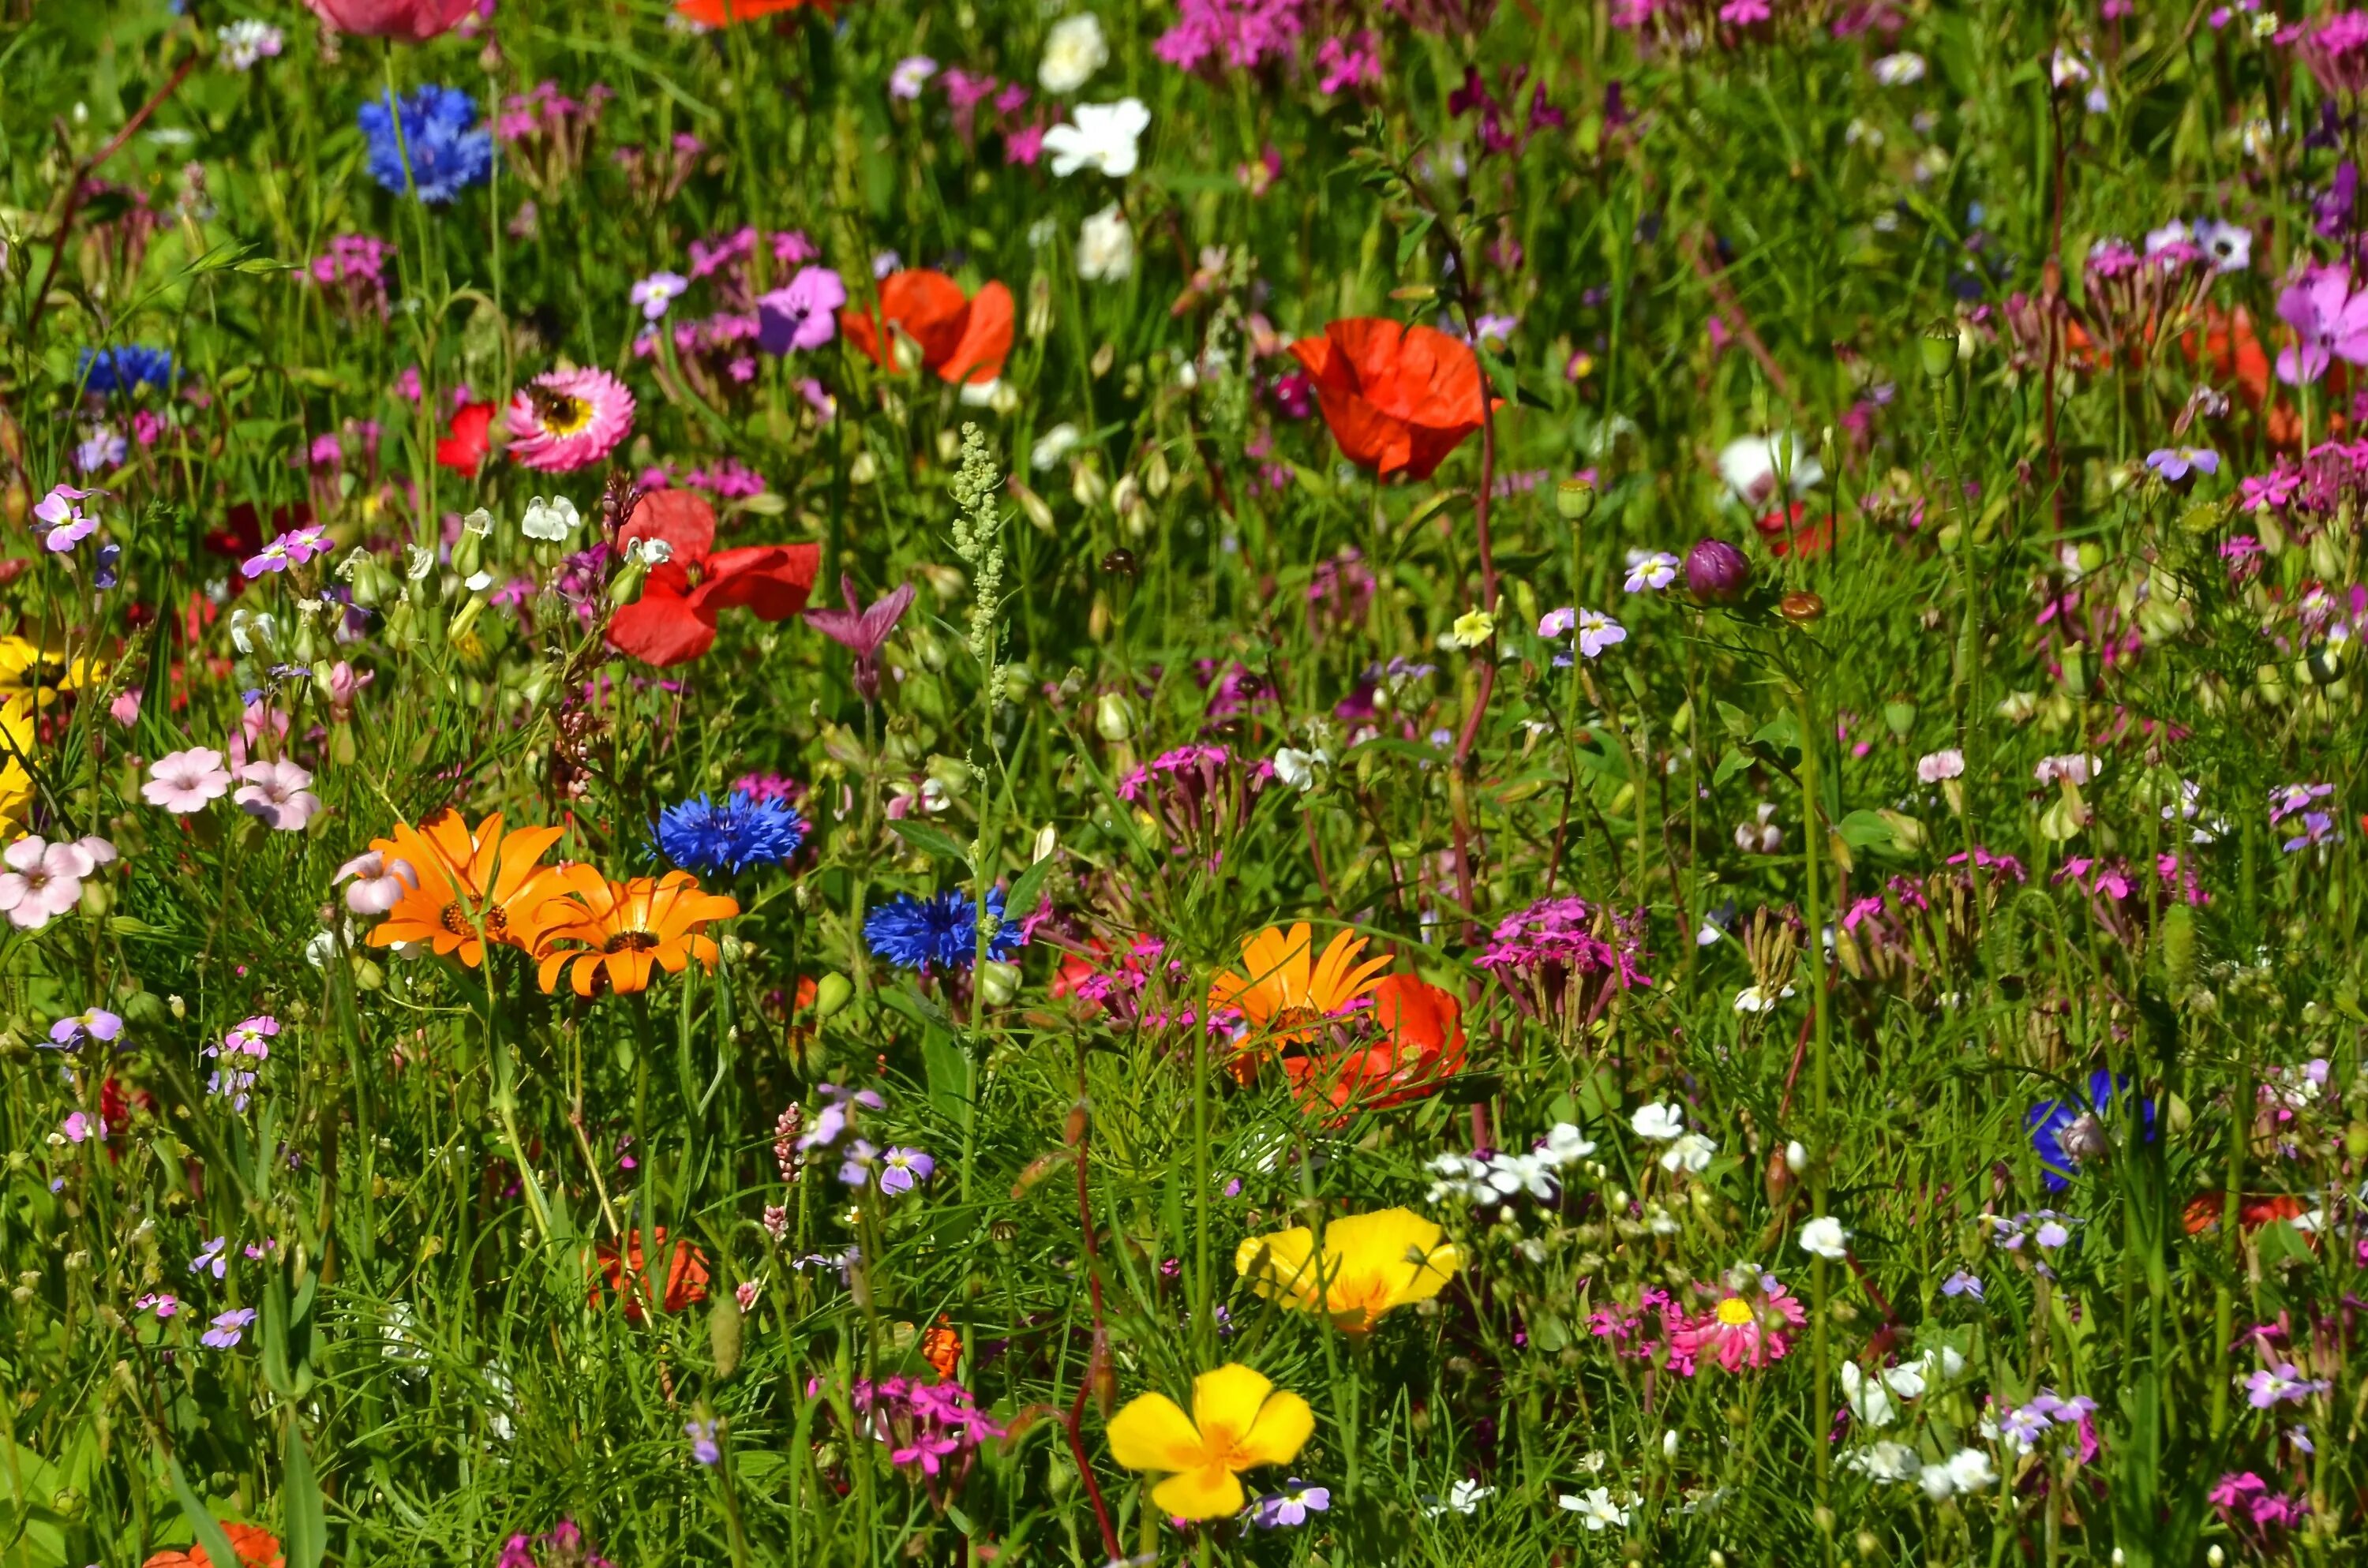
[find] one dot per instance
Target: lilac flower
(80, 1127)
(2175, 463)
(2328, 319)
(658, 291)
(2318, 828)
(211, 1256)
(1557, 623)
(227, 1329)
(164, 1303)
(1598, 631)
(1290, 1506)
(292, 549)
(2288, 799)
(802, 313)
(1651, 574)
(97, 1024)
(1962, 1284)
(64, 524)
(855, 1170)
(703, 1445)
(2280, 1384)
(863, 630)
(2051, 1234)
(836, 1116)
(911, 75)
(902, 1167)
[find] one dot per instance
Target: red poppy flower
(723, 13)
(1419, 1045)
(1787, 529)
(961, 339)
(685, 1274)
(673, 620)
(414, 20)
(464, 449)
(256, 1548)
(1397, 398)
(2254, 1209)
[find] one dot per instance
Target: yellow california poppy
(1239, 1421)
(15, 749)
(1288, 993)
(1371, 1262)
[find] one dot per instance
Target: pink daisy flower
(1746, 1327)
(564, 420)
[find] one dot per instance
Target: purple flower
(1243, 33)
(2318, 828)
(97, 1024)
(1290, 1506)
(211, 1257)
(227, 1328)
(911, 75)
(1962, 1284)
(1598, 631)
(1651, 573)
(863, 630)
(703, 1445)
(2280, 1384)
(2331, 322)
(900, 1168)
(2175, 463)
(292, 549)
(1718, 572)
(855, 1170)
(802, 312)
(658, 291)
(65, 524)
(2288, 799)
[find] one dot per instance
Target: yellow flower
(1239, 1421)
(16, 750)
(1473, 627)
(1370, 1264)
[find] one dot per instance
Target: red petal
(683, 518)
(663, 626)
(771, 579)
(465, 448)
(986, 339)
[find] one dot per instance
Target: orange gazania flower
(625, 1277)
(625, 928)
(961, 339)
(1287, 997)
(723, 13)
(257, 1548)
(1395, 397)
(461, 876)
(1420, 1045)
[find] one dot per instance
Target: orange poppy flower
(459, 875)
(626, 928)
(942, 1347)
(256, 1548)
(961, 339)
(1287, 995)
(1397, 398)
(1420, 1045)
(723, 13)
(685, 1274)
(2254, 1209)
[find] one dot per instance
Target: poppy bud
(1937, 349)
(1575, 500)
(832, 992)
(1718, 572)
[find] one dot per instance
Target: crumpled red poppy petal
(771, 579)
(465, 449)
(985, 339)
(665, 625)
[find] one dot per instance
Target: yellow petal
(1278, 1261)
(1284, 1426)
(1209, 1493)
(1229, 1397)
(1153, 1433)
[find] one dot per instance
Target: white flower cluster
(1965, 1472)
(1661, 1124)
(1501, 1176)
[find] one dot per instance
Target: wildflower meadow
(1272, 782)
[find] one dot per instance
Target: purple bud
(1716, 571)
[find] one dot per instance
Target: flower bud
(468, 549)
(1937, 350)
(998, 982)
(1802, 608)
(1112, 720)
(1718, 572)
(832, 992)
(626, 586)
(1575, 500)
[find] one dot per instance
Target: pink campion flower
(280, 793)
(2331, 322)
(185, 781)
(569, 419)
(1243, 33)
(292, 549)
(378, 882)
(1744, 13)
(1345, 64)
(1023, 146)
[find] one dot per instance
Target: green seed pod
(832, 992)
(2177, 941)
(1575, 500)
(724, 1333)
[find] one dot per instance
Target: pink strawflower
(44, 880)
(280, 793)
(569, 419)
(185, 781)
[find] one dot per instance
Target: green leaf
(947, 1073)
(201, 1522)
(1863, 827)
(1730, 765)
(931, 840)
(304, 1532)
(1029, 890)
(1410, 239)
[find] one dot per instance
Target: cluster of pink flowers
(1241, 34)
(931, 1428)
(2336, 49)
(1201, 792)
(2246, 1501)
(239, 1055)
(563, 1546)
(354, 270)
(727, 479)
(546, 133)
(1566, 957)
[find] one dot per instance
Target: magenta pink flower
(185, 781)
(1748, 1326)
(2331, 322)
(565, 420)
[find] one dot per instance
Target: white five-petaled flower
(1463, 1497)
(1596, 1507)
(1102, 137)
(1106, 246)
(1824, 1237)
(1564, 1143)
(553, 520)
(1691, 1153)
(1297, 768)
(1756, 999)
(1073, 51)
(1659, 1121)
(1901, 70)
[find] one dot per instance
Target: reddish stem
(1075, 1421)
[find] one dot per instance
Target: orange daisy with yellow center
(470, 881)
(612, 935)
(1287, 993)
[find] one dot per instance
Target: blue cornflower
(700, 836)
(913, 933)
(107, 371)
(2064, 1132)
(446, 152)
